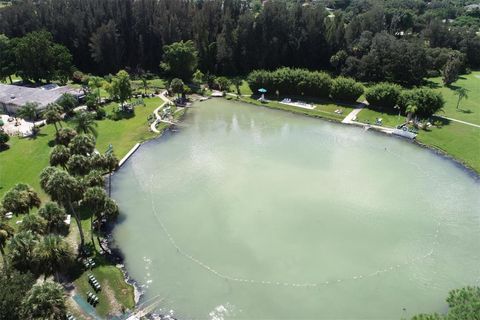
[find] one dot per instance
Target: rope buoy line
(227, 277)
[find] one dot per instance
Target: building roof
(19, 95)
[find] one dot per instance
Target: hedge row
(388, 95)
(289, 81)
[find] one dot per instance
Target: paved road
(459, 121)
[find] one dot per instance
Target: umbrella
(262, 90)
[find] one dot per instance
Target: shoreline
(437, 151)
(115, 252)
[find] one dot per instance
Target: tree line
(368, 40)
(386, 96)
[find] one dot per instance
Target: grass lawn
(469, 109)
(322, 110)
(388, 120)
(27, 157)
(113, 286)
(459, 140)
(125, 133)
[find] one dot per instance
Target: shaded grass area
(369, 116)
(469, 109)
(458, 140)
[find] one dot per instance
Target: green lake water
(251, 213)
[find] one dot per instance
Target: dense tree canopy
(238, 36)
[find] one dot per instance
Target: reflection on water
(252, 213)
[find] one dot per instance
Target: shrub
(427, 101)
(100, 114)
(77, 77)
(4, 138)
(288, 81)
(65, 135)
(383, 95)
(346, 89)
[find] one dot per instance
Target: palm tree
(145, 84)
(411, 110)
(20, 199)
(44, 301)
(101, 206)
(21, 250)
(53, 115)
(54, 215)
(59, 156)
(53, 255)
(29, 111)
(462, 94)
(78, 165)
(96, 83)
(83, 144)
(34, 223)
(84, 122)
(237, 82)
(64, 189)
(111, 164)
(5, 233)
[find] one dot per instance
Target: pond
(252, 213)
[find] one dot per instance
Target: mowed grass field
(469, 109)
(27, 157)
(458, 140)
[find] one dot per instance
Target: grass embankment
(460, 141)
(27, 157)
(369, 116)
(322, 110)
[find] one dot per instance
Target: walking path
(158, 119)
(459, 121)
(353, 115)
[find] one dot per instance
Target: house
(13, 97)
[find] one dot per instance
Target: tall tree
(21, 251)
(53, 115)
(84, 122)
(7, 59)
(6, 231)
(65, 189)
(53, 254)
(34, 223)
(461, 93)
(20, 199)
(29, 111)
(15, 286)
(107, 47)
(82, 144)
(54, 215)
(180, 59)
(44, 301)
(121, 86)
(39, 58)
(59, 156)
